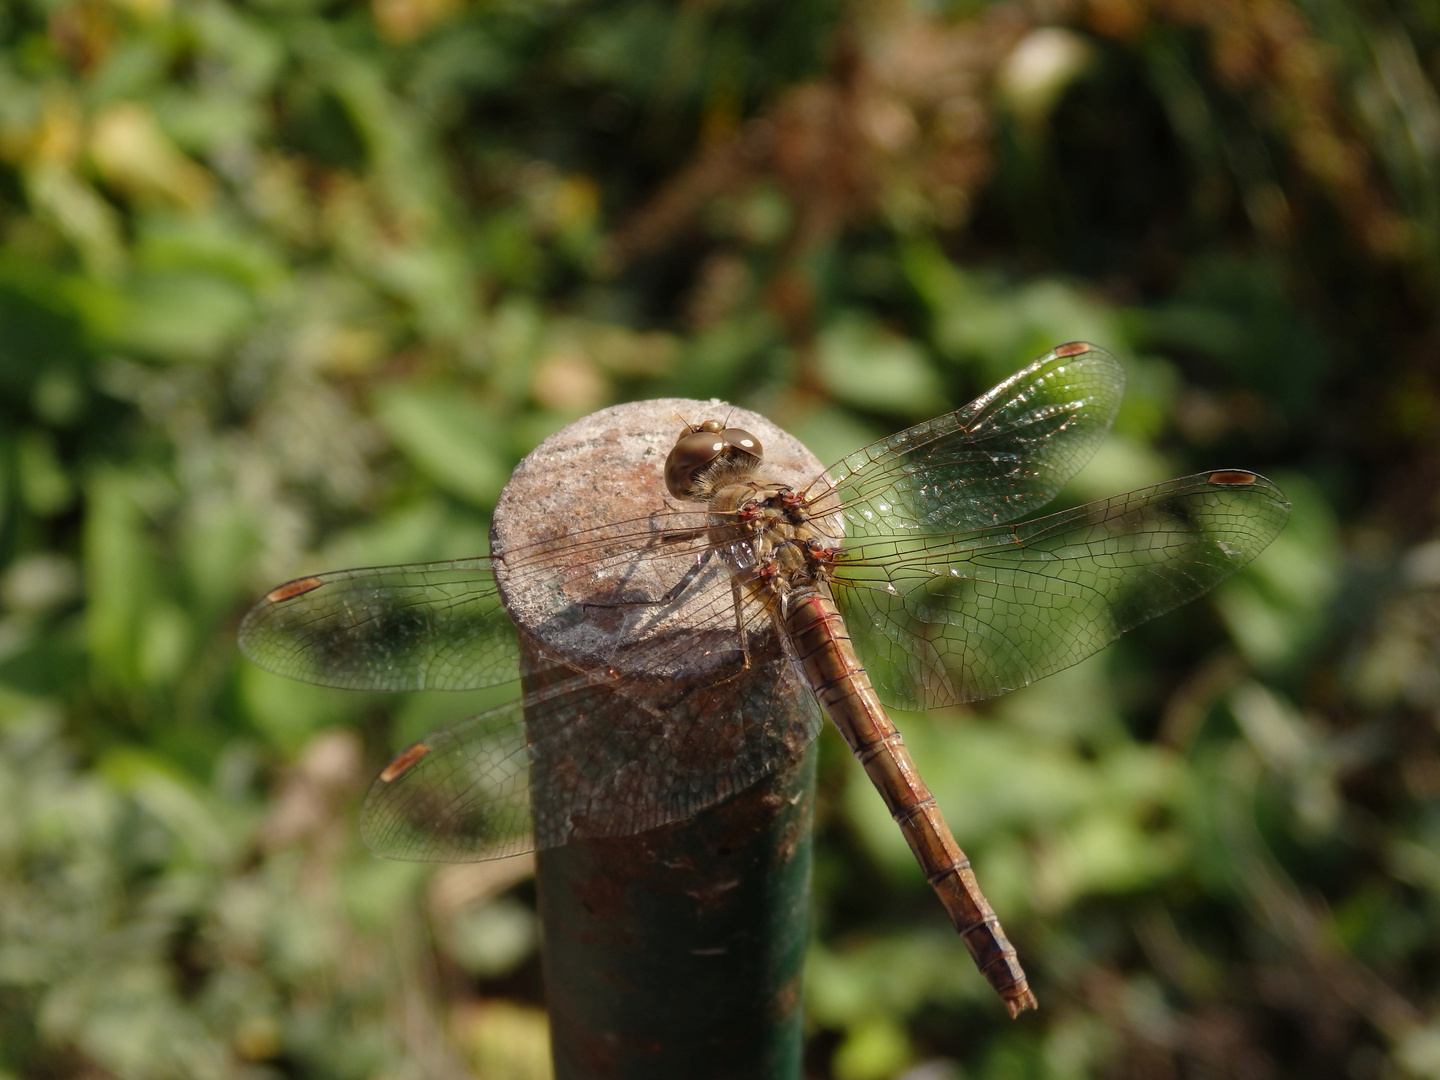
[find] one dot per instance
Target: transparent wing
(581, 760)
(437, 626)
(664, 724)
(440, 626)
(1003, 456)
(457, 795)
(944, 619)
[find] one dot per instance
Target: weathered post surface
(678, 950)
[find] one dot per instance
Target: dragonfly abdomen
(823, 648)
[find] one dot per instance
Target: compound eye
(743, 442)
(694, 452)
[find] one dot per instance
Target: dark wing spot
(403, 761)
(292, 589)
(1232, 478)
(1073, 348)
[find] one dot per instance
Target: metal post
(677, 951)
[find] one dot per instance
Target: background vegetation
(290, 285)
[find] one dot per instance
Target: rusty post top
(605, 468)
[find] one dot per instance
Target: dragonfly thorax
(708, 455)
(786, 552)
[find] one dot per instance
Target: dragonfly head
(705, 452)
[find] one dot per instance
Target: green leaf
(447, 437)
(874, 1049)
(182, 316)
(874, 369)
(119, 575)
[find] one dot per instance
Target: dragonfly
(911, 574)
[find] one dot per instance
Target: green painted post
(677, 951)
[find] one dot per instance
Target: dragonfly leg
(720, 680)
(671, 595)
(678, 589)
(740, 624)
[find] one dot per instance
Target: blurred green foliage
(291, 285)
